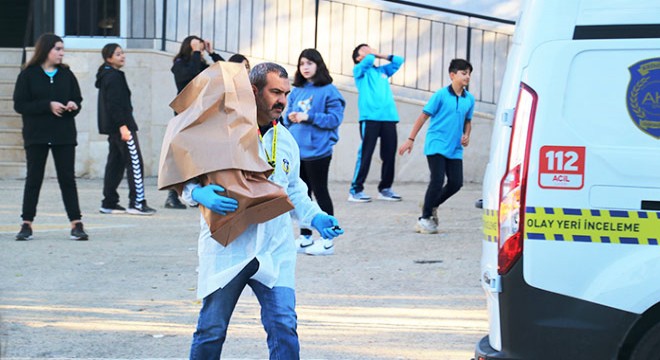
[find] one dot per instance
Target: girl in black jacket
(48, 97)
(115, 119)
(187, 64)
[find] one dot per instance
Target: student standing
(450, 110)
(48, 97)
(263, 256)
(378, 119)
(315, 111)
(241, 59)
(115, 119)
(188, 63)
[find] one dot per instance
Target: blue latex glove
(327, 226)
(209, 197)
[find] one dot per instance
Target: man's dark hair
(321, 77)
(457, 65)
(356, 52)
(259, 73)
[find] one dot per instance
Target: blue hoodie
(375, 99)
(325, 107)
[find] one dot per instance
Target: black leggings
(436, 193)
(315, 174)
(64, 157)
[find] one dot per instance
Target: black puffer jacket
(32, 96)
(115, 108)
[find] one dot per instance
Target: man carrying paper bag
(212, 139)
(263, 256)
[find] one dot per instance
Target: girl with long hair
(189, 62)
(315, 111)
(48, 97)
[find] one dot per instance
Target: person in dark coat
(188, 63)
(48, 97)
(115, 119)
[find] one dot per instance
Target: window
(92, 17)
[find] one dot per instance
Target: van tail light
(514, 183)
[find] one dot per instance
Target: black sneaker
(117, 209)
(77, 233)
(25, 233)
(173, 201)
(141, 208)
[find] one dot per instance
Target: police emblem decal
(643, 97)
(285, 165)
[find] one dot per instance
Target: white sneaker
(388, 195)
(426, 226)
(303, 242)
(359, 197)
(321, 247)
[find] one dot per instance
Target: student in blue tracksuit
(378, 119)
(450, 110)
(315, 111)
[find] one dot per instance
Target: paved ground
(129, 292)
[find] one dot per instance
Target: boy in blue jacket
(378, 119)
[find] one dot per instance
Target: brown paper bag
(258, 200)
(214, 138)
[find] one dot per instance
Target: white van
(571, 197)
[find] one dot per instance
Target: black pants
(370, 131)
(65, 161)
(315, 174)
(436, 193)
(123, 156)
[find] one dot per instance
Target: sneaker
(25, 233)
(141, 208)
(426, 226)
(388, 195)
(173, 202)
(303, 242)
(321, 247)
(359, 197)
(77, 233)
(117, 209)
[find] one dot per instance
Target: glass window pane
(92, 17)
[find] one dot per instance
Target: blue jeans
(278, 315)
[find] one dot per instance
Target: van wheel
(649, 345)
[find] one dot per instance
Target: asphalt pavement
(129, 292)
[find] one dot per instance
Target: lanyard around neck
(271, 160)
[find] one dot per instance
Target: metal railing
(277, 30)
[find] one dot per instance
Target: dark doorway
(13, 22)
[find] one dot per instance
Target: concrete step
(11, 137)
(9, 72)
(10, 120)
(11, 56)
(12, 170)
(7, 87)
(12, 153)
(6, 104)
